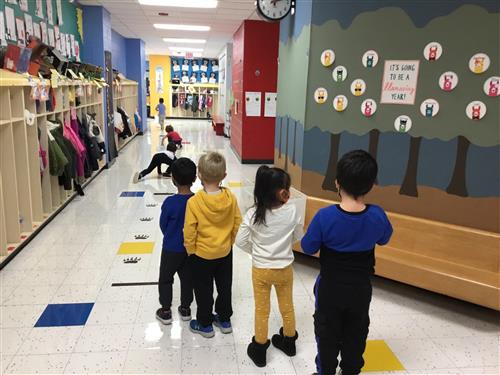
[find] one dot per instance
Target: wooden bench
(218, 125)
(460, 262)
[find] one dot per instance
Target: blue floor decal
(65, 314)
(132, 194)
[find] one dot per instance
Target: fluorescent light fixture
(185, 49)
(181, 3)
(171, 26)
(184, 40)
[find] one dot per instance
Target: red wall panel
(255, 68)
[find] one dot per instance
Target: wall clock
(275, 10)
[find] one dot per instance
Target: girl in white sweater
(268, 232)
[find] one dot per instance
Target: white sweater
(271, 244)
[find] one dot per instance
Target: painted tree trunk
(373, 145)
(409, 185)
(458, 184)
(279, 141)
(331, 171)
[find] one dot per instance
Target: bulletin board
(195, 71)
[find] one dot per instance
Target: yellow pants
(282, 279)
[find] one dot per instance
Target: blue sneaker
(225, 327)
(196, 327)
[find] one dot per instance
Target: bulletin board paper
(399, 83)
(270, 104)
(253, 103)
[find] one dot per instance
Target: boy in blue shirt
(174, 258)
(162, 112)
(346, 234)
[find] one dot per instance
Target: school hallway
(60, 312)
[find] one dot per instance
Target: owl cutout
(479, 63)
(476, 110)
(320, 95)
(429, 108)
(368, 107)
(358, 87)
(340, 103)
(402, 124)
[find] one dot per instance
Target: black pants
(156, 162)
(341, 326)
(204, 273)
(172, 263)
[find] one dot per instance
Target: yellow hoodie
(211, 225)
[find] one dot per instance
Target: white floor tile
(153, 361)
(38, 364)
(50, 340)
(20, 316)
(70, 293)
(303, 362)
(5, 361)
(156, 335)
(104, 338)
(12, 339)
(209, 359)
(419, 354)
(471, 351)
(31, 295)
(88, 363)
(277, 362)
(105, 313)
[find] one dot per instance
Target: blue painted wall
(118, 50)
(135, 58)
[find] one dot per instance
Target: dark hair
(184, 172)
(268, 182)
(171, 147)
(161, 100)
(356, 173)
(169, 128)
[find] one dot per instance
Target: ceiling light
(185, 49)
(181, 3)
(183, 40)
(170, 26)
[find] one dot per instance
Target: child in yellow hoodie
(212, 222)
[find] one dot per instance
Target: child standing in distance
(162, 112)
(174, 258)
(268, 232)
(173, 136)
(212, 221)
(166, 157)
(346, 234)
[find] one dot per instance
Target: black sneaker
(164, 315)
(185, 313)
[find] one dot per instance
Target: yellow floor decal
(235, 184)
(136, 248)
(379, 357)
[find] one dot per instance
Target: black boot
(257, 352)
(284, 343)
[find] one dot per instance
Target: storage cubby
(28, 195)
(125, 96)
(203, 90)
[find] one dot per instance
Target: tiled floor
(74, 260)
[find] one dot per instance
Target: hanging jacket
(67, 148)
(210, 101)
(174, 100)
(126, 124)
(90, 142)
(57, 158)
(80, 151)
(194, 106)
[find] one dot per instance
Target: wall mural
(429, 111)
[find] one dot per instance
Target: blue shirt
(347, 232)
(173, 212)
(162, 110)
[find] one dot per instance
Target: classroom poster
(21, 34)
(63, 44)
(43, 27)
(28, 20)
(50, 13)
(77, 50)
(68, 46)
(3, 41)
(57, 35)
(399, 83)
(23, 4)
(39, 8)
(59, 12)
(11, 24)
(52, 39)
(72, 45)
(36, 30)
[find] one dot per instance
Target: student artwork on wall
(50, 12)
(28, 20)
(358, 87)
(59, 13)
(57, 35)
(327, 57)
(52, 39)
(43, 28)
(448, 81)
(433, 51)
(320, 95)
(475, 110)
(492, 86)
(429, 107)
(23, 5)
(368, 107)
(194, 71)
(402, 124)
(39, 8)
(340, 103)
(21, 34)
(370, 59)
(36, 30)
(339, 74)
(3, 41)
(479, 63)
(159, 79)
(10, 22)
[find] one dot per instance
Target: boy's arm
(157, 107)
(237, 221)
(190, 230)
(164, 217)
(386, 236)
(313, 238)
(243, 236)
(163, 140)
